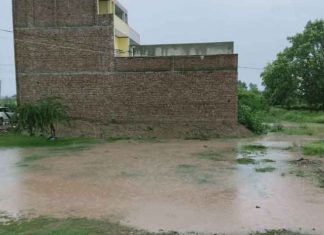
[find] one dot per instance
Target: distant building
(85, 52)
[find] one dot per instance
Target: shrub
(251, 120)
(251, 107)
(40, 116)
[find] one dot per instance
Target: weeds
(276, 232)
(211, 155)
(276, 128)
(18, 140)
(254, 147)
(69, 226)
(276, 115)
(246, 161)
(265, 170)
(314, 149)
(268, 161)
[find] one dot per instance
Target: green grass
(265, 169)
(246, 161)
(72, 226)
(268, 161)
(211, 155)
(80, 226)
(254, 147)
(24, 141)
(314, 149)
(252, 150)
(300, 130)
(309, 129)
(276, 115)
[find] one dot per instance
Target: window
(120, 13)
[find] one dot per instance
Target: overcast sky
(259, 28)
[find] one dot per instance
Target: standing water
(174, 185)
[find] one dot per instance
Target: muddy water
(175, 185)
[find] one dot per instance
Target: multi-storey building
(85, 52)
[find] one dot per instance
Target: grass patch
(276, 128)
(24, 141)
(254, 147)
(276, 115)
(277, 232)
(314, 149)
(268, 161)
(72, 226)
(265, 169)
(253, 150)
(211, 155)
(302, 129)
(186, 166)
(246, 161)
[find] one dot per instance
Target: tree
(281, 85)
(297, 75)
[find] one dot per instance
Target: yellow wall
(122, 46)
(122, 41)
(106, 7)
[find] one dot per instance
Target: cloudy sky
(259, 28)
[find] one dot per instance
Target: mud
(173, 185)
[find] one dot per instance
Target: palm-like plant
(41, 116)
(52, 112)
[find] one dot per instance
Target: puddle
(172, 185)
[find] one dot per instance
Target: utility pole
(0, 89)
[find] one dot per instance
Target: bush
(40, 116)
(251, 120)
(252, 105)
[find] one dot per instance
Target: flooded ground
(173, 185)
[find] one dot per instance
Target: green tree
(297, 75)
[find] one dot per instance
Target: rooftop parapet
(202, 49)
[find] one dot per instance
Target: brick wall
(63, 48)
(140, 96)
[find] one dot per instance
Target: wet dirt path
(174, 185)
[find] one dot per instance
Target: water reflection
(10, 181)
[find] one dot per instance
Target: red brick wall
(60, 52)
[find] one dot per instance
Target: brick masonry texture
(63, 48)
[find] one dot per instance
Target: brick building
(85, 52)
